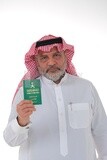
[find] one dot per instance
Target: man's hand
(24, 109)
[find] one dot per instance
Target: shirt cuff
(19, 129)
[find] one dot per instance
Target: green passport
(32, 91)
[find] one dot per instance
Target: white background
(82, 23)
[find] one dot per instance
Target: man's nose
(51, 61)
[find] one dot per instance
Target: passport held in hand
(32, 91)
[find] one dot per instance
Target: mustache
(53, 67)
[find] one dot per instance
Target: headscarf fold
(32, 71)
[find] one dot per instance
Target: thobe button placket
(62, 121)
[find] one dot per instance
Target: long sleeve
(14, 134)
(99, 126)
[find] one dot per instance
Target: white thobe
(69, 125)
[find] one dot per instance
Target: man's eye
(43, 58)
(57, 55)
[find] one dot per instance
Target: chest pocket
(79, 115)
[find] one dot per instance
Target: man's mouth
(52, 70)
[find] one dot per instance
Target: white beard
(56, 76)
(53, 76)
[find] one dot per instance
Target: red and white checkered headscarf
(32, 71)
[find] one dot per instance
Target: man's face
(51, 64)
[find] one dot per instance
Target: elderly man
(71, 123)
